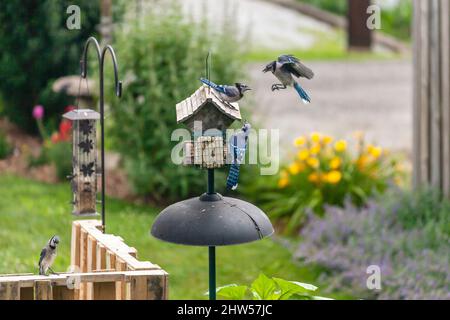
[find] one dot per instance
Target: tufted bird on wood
(48, 255)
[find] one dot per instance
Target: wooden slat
(63, 293)
(91, 263)
(27, 293)
(9, 290)
(435, 101)
(61, 279)
(110, 260)
(104, 291)
(75, 245)
(120, 285)
(43, 290)
(83, 261)
(101, 257)
(139, 288)
(445, 90)
(417, 61)
(424, 111)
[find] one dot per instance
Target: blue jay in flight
(226, 93)
(48, 255)
(284, 68)
(237, 148)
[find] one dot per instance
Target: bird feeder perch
(84, 163)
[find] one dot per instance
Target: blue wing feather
(219, 88)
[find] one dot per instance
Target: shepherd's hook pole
(212, 249)
(118, 84)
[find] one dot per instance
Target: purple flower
(38, 112)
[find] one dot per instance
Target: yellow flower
(361, 162)
(327, 140)
(315, 137)
(340, 146)
(313, 162)
(300, 141)
(283, 182)
(296, 168)
(374, 151)
(314, 177)
(335, 163)
(315, 149)
(303, 154)
(333, 177)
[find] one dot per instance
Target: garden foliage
(161, 58)
(5, 146)
(36, 48)
(408, 238)
(323, 172)
(265, 288)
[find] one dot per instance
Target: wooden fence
(104, 268)
(432, 94)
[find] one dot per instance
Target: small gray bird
(48, 255)
(227, 93)
(283, 68)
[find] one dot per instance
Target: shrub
(36, 48)
(5, 146)
(264, 288)
(56, 148)
(407, 238)
(161, 57)
(323, 171)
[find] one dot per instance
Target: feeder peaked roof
(203, 96)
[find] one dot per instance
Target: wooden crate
(103, 268)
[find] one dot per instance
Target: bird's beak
(247, 88)
(267, 68)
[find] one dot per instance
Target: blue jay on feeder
(237, 149)
(48, 255)
(284, 68)
(227, 93)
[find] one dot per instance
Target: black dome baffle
(211, 220)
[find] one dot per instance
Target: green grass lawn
(31, 212)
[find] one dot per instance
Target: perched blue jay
(48, 255)
(284, 68)
(237, 148)
(226, 93)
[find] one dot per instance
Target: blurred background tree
(36, 48)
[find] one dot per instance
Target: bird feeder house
(204, 111)
(84, 161)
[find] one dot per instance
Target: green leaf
(263, 287)
(232, 292)
(290, 288)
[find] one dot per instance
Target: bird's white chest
(284, 77)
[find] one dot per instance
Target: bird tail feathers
(302, 93)
(209, 83)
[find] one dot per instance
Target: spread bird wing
(43, 252)
(294, 66)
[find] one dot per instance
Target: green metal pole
(212, 273)
(212, 250)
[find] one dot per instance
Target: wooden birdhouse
(204, 109)
(84, 161)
